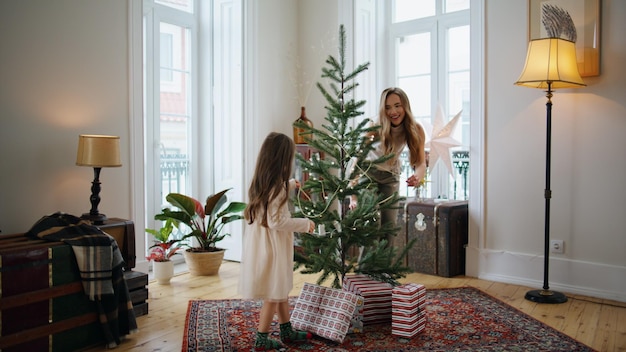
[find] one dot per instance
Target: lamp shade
(551, 61)
(98, 151)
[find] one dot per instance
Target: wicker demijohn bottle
(297, 138)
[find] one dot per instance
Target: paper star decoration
(441, 141)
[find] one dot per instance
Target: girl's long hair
(271, 176)
(414, 132)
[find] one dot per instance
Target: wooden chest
(441, 232)
(124, 233)
(42, 303)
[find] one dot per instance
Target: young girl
(398, 129)
(267, 258)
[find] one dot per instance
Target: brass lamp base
(545, 296)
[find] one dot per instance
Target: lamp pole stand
(546, 295)
(94, 215)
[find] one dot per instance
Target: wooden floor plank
(607, 322)
(575, 316)
(587, 326)
(613, 324)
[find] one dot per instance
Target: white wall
(63, 72)
(588, 164)
(319, 31)
(277, 30)
(288, 36)
(285, 40)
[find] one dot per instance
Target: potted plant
(205, 223)
(161, 252)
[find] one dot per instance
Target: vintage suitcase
(43, 306)
(441, 232)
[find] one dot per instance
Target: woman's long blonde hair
(414, 132)
(271, 175)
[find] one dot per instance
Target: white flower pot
(163, 271)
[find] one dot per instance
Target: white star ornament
(441, 141)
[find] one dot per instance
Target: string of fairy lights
(310, 212)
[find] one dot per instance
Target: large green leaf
(163, 234)
(227, 219)
(183, 202)
(177, 216)
(233, 207)
(215, 202)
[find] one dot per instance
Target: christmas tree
(348, 240)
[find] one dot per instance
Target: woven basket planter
(204, 263)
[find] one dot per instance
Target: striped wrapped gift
(376, 297)
(408, 318)
(324, 311)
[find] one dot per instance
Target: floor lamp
(97, 151)
(550, 64)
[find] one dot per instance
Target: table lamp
(97, 151)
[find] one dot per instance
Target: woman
(398, 129)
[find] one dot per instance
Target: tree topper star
(441, 141)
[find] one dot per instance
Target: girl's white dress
(267, 257)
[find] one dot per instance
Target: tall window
(186, 136)
(169, 26)
(430, 41)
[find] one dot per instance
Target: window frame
(441, 184)
(153, 15)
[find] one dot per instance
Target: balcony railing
(458, 186)
(175, 169)
(174, 172)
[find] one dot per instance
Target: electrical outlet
(557, 246)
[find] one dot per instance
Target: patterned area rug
(457, 319)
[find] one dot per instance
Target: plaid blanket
(100, 264)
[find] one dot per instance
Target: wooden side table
(124, 233)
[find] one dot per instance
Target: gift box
(324, 311)
(408, 317)
(356, 323)
(376, 297)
